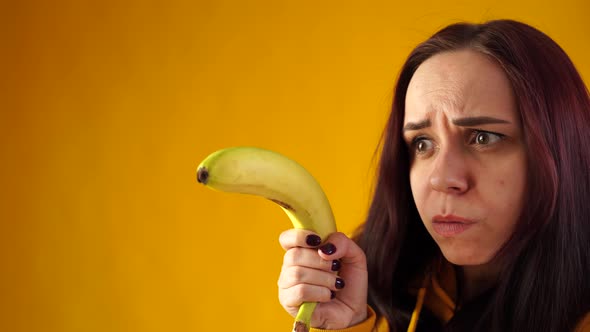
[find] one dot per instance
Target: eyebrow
(416, 125)
(463, 122)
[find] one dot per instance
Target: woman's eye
(485, 138)
(422, 145)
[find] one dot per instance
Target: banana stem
(303, 318)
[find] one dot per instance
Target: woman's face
(468, 160)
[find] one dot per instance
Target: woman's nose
(450, 172)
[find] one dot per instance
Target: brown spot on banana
(283, 204)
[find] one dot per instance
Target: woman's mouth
(450, 225)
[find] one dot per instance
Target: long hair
(546, 263)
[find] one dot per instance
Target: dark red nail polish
(335, 265)
(339, 283)
(313, 240)
(328, 249)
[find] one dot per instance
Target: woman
(480, 219)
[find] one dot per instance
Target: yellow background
(108, 106)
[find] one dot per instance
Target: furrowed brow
(416, 125)
(477, 121)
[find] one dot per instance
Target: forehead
(459, 83)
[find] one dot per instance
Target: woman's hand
(333, 273)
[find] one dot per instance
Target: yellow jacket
(438, 297)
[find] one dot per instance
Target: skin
(475, 171)
(306, 275)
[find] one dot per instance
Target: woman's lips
(450, 225)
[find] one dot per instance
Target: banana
(271, 175)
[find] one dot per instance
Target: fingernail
(335, 265)
(332, 294)
(339, 283)
(328, 249)
(313, 240)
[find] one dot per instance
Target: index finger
(297, 237)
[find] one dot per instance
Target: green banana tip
(202, 175)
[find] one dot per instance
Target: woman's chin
(465, 257)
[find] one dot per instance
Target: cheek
(508, 190)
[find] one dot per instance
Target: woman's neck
(476, 279)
